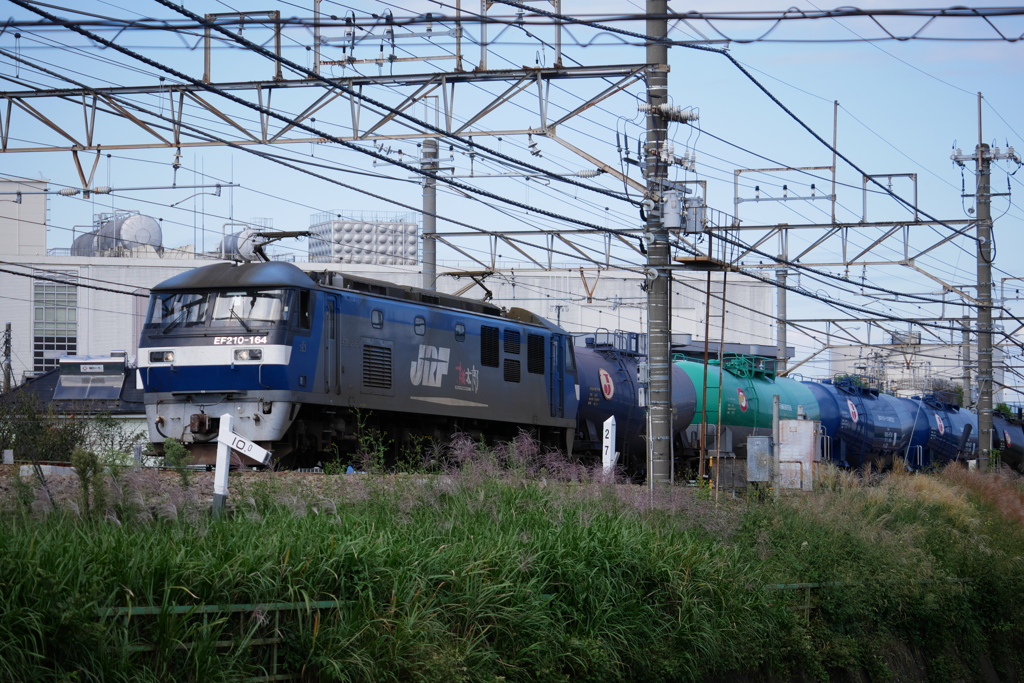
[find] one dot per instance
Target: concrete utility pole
(659, 416)
(780, 329)
(7, 358)
(968, 389)
(429, 163)
(983, 156)
(984, 303)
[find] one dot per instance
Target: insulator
(68, 191)
(102, 189)
(588, 173)
(670, 112)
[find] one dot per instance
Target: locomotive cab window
(570, 357)
(460, 332)
(377, 318)
(304, 321)
(420, 325)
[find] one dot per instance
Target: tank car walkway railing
(808, 603)
(258, 625)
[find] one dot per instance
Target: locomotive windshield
(236, 308)
(178, 308)
(268, 305)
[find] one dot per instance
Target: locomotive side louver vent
(535, 354)
(511, 341)
(511, 370)
(376, 367)
(489, 346)
(367, 287)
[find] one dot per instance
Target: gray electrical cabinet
(759, 458)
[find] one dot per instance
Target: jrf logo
(430, 367)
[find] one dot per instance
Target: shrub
(177, 457)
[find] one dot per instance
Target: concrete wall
(23, 226)
(909, 370)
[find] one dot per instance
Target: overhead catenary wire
(268, 112)
(743, 70)
(308, 73)
(391, 200)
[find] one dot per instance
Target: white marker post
(609, 456)
(226, 441)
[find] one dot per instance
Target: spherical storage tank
(130, 231)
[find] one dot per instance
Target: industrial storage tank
(238, 244)
(129, 231)
(389, 240)
(84, 245)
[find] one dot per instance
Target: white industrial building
(906, 367)
(91, 299)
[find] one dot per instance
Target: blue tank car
(607, 366)
(1009, 439)
(860, 425)
(943, 432)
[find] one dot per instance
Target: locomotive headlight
(161, 356)
(248, 354)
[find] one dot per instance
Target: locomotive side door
(330, 337)
(556, 377)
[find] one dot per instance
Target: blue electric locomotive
(304, 361)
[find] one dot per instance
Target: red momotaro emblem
(743, 400)
(607, 386)
(938, 421)
(853, 410)
(1006, 436)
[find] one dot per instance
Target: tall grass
(929, 561)
(514, 566)
(474, 576)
